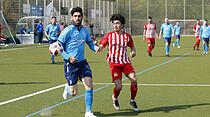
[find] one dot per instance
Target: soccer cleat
(179, 47)
(115, 103)
(149, 54)
(167, 55)
(89, 114)
(173, 44)
(53, 62)
(204, 53)
(65, 93)
(134, 105)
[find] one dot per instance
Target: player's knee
(73, 93)
(118, 87)
(89, 87)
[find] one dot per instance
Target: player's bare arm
(156, 34)
(160, 34)
(133, 52)
(46, 34)
(144, 34)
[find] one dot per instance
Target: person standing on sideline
(167, 29)
(91, 28)
(52, 32)
(73, 39)
(39, 30)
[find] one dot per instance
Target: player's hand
(159, 38)
(144, 38)
(132, 54)
(57, 34)
(72, 59)
(48, 36)
(98, 50)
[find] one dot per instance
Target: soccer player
(73, 39)
(119, 62)
(196, 29)
(167, 29)
(177, 29)
(52, 32)
(150, 32)
(205, 32)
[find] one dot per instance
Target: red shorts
(197, 38)
(151, 41)
(117, 69)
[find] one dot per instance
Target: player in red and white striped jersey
(119, 62)
(196, 29)
(149, 33)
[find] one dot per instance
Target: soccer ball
(55, 49)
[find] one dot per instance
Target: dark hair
(117, 17)
(149, 17)
(53, 17)
(76, 9)
(198, 19)
(206, 20)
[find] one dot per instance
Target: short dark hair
(206, 20)
(198, 19)
(76, 9)
(149, 17)
(53, 17)
(117, 17)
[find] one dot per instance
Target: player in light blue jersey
(167, 29)
(205, 32)
(73, 39)
(177, 31)
(52, 32)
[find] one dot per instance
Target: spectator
(23, 30)
(62, 26)
(29, 29)
(39, 30)
(1, 28)
(91, 28)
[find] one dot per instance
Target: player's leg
(86, 77)
(178, 41)
(167, 42)
(153, 43)
(130, 73)
(116, 71)
(52, 56)
(149, 46)
(207, 45)
(71, 74)
(204, 46)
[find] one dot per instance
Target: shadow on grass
(49, 63)
(166, 109)
(19, 83)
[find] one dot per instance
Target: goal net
(6, 37)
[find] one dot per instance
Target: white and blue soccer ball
(55, 49)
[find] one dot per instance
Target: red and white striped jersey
(150, 30)
(197, 28)
(117, 47)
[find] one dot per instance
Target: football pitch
(178, 86)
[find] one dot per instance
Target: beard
(78, 23)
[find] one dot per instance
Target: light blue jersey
(73, 41)
(52, 30)
(167, 29)
(177, 29)
(205, 31)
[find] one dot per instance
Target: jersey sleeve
(104, 40)
(162, 27)
(65, 34)
(89, 41)
(195, 27)
(59, 29)
(145, 26)
(201, 30)
(47, 28)
(130, 43)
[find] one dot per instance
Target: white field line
(36, 93)
(22, 48)
(172, 85)
(56, 87)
